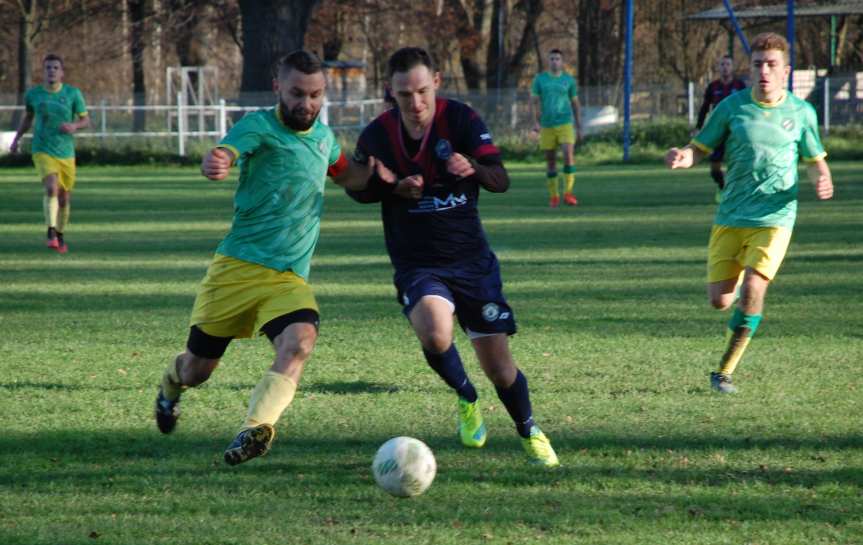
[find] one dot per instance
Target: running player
(257, 281)
(59, 111)
(765, 131)
(555, 99)
(442, 153)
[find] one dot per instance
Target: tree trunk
(599, 43)
(26, 27)
(270, 28)
(136, 10)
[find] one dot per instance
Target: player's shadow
(349, 388)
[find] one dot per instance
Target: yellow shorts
(63, 168)
(552, 137)
(732, 249)
(237, 297)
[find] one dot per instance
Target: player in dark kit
(441, 153)
(714, 93)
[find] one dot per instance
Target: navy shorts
(475, 291)
(718, 153)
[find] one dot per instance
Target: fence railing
(838, 101)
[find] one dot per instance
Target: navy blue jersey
(715, 92)
(441, 229)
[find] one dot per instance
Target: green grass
(616, 339)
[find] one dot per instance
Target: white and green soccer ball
(404, 466)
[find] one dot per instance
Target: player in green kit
(555, 99)
(257, 281)
(766, 130)
(59, 111)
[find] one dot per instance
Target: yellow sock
(737, 343)
(269, 399)
(63, 217)
(570, 181)
(50, 206)
(172, 386)
(552, 187)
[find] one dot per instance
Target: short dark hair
(556, 51)
(768, 41)
(407, 58)
(52, 57)
(729, 57)
(302, 60)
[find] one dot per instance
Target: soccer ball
(404, 466)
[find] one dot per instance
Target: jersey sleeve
(366, 146)
(810, 146)
(477, 141)
(573, 89)
(715, 130)
(534, 87)
(28, 102)
(244, 138)
(79, 107)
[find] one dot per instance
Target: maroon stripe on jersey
(486, 149)
(392, 124)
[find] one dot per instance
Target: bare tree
(270, 28)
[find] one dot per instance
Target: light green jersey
(555, 95)
(52, 109)
(279, 201)
(763, 144)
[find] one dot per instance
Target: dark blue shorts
(718, 153)
(475, 291)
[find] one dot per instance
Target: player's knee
(722, 301)
(296, 345)
(436, 341)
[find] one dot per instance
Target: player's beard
(297, 119)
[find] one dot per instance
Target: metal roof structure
(780, 11)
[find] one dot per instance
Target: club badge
(443, 149)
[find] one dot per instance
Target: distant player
(442, 153)
(59, 111)
(766, 130)
(555, 100)
(714, 93)
(256, 283)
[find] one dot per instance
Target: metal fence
(838, 100)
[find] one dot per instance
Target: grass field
(616, 339)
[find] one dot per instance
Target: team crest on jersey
(443, 149)
(62, 100)
(490, 312)
(360, 157)
(788, 124)
(322, 146)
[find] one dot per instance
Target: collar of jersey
(285, 125)
(765, 104)
(60, 88)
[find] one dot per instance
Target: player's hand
(678, 158)
(217, 164)
(459, 166)
(579, 136)
(68, 128)
(376, 166)
(824, 187)
(410, 187)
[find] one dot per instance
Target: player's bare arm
(537, 112)
(356, 177)
(217, 163)
(23, 127)
(684, 157)
(576, 109)
(70, 128)
(819, 175)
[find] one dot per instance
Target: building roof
(780, 11)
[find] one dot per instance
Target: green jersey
(763, 144)
(52, 109)
(279, 201)
(555, 94)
